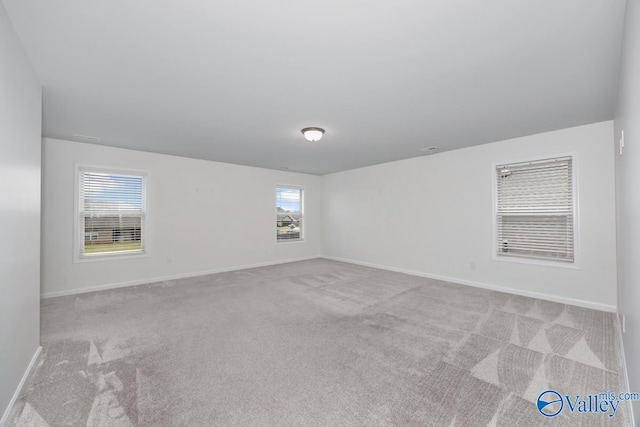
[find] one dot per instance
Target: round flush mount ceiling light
(313, 134)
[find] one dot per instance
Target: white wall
(433, 215)
(628, 193)
(202, 216)
(20, 107)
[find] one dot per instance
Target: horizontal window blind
(112, 213)
(289, 213)
(535, 209)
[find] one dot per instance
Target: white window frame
(303, 226)
(575, 265)
(78, 233)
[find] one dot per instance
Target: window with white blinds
(289, 213)
(112, 209)
(535, 212)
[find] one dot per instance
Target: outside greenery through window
(112, 213)
(289, 211)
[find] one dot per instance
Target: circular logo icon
(550, 403)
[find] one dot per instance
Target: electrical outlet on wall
(621, 142)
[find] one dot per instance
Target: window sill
(289, 241)
(110, 257)
(538, 262)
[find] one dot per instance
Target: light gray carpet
(315, 343)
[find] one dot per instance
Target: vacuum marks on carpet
(315, 343)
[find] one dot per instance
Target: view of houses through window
(289, 210)
(112, 211)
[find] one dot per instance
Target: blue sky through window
(288, 199)
(123, 190)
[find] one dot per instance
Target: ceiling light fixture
(313, 134)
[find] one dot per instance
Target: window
(90, 235)
(112, 209)
(535, 215)
(289, 213)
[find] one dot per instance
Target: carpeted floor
(315, 343)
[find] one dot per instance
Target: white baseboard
(7, 412)
(171, 277)
(548, 297)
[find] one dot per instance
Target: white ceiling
(235, 80)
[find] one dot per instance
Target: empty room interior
(339, 213)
